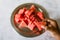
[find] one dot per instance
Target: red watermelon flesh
(21, 11)
(17, 18)
(38, 25)
(40, 15)
(32, 7)
(22, 24)
(28, 13)
(28, 19)
(31, 26)
(32, 17)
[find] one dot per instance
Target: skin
(52, 26)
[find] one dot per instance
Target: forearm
(58, 34)
(57, 37)
(55, 34)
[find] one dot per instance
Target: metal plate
(25, 31)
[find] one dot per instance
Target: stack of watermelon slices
(26, 18)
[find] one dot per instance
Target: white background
(7, 32)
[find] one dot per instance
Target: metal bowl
(25, 31)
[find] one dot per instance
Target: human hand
(52, 26)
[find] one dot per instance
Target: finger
(44, 27)
(51, 21)
(49, 27)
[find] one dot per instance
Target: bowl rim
(13, 25)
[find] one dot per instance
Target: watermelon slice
(21, 11)
(26, 21)
(31, 26)
(32, 18)
(28, 13)
(32, 7)
(22, 24)
(38, 25)
(17, 18)
(29, 21)
(40, 15)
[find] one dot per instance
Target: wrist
(57, 35)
